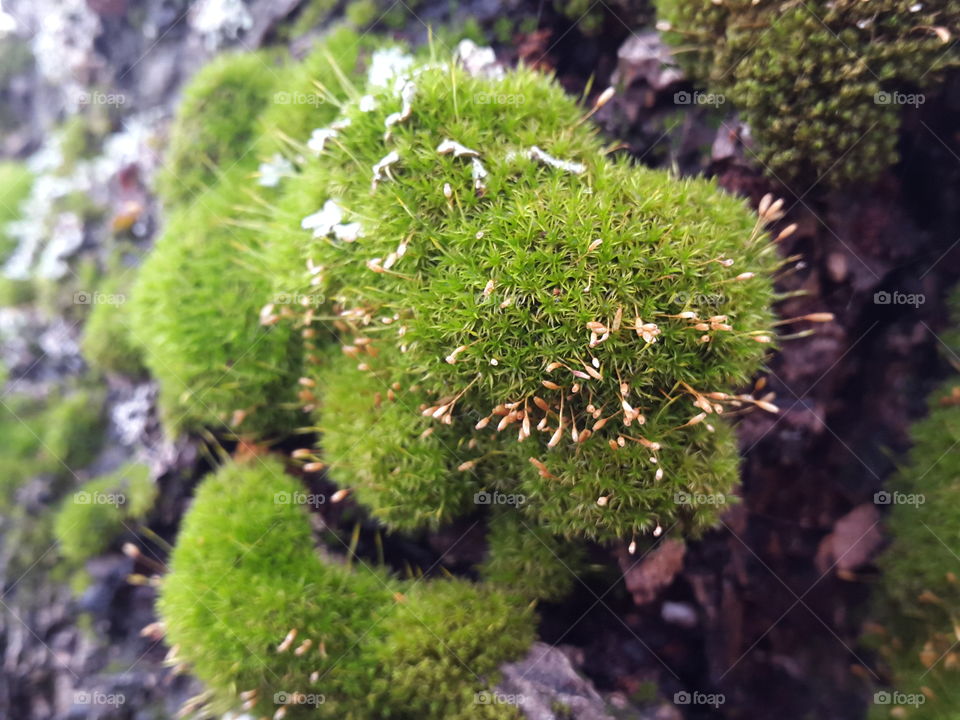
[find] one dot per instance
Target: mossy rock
(245, 573)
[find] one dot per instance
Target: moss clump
(53, 439)
(15, 183)
(528, 561)
(56, 437)
(101, 509)
(194, 309)
(196, 301)
(245, 573)
(823, 84)
(108, 335)
(919, 602)
(70, 431)
(216, 125)
(598, 312)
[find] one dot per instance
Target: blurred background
(768, 610)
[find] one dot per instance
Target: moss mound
(919, 602)
(258, 615)
(215, 127)
(497, 275)
(196, 301)
(822, 85)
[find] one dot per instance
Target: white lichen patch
(322, 221)
(329, 221)
(479, 173)
(347, 232)
(220, 21)
(407, 92)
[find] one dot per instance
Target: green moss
(101, 509)
(311, 16)
(919, 600)
(15, 183)
(523, 559)
(495, 287)
(196, 303)
(194, 310)
(215, 127)
(245, 573)
(56, 437)
(52, 438)
(71, 431)
(108, 343)
(362, 13)
(822, 85)
(374, 441)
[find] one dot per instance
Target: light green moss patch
(245, 573)
(101, 509)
